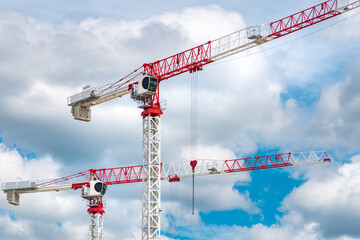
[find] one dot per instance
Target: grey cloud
(328, 199)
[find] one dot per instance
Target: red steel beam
(257, 163)
(189, 60)
(303, 19)
(118, 175)
(63, 179)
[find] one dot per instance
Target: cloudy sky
(298, 93)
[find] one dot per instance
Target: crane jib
(195, 58)
(169, 170)
(189, 60)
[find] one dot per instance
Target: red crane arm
(62, 179)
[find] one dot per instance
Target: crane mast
(143, 86)
(151, 209)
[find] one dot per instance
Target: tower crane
(143, 86)
(96, 180)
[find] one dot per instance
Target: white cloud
(201, 24)
(346, 29)
(14, 166)
(35, 210)
(15, 229)
(336, 119)
(330, 201)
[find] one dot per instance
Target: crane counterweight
(87, 93)
(13, 198)
(81, 113)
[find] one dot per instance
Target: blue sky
(298, 93)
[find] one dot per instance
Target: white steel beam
(151, 187)
(95, 226)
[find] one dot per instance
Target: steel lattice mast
(151, 183)
(96, 213)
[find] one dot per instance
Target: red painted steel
(96, 206)
(79, 185)
(257, 163)
(193, 164)
(174, 178)
(189, 60)
(63, 179)
(154, 109)
(117, 84)
(118, 175)
(303, 19)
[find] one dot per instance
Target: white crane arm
(205, 167)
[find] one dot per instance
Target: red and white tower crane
(96, 180)
(143, 86)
